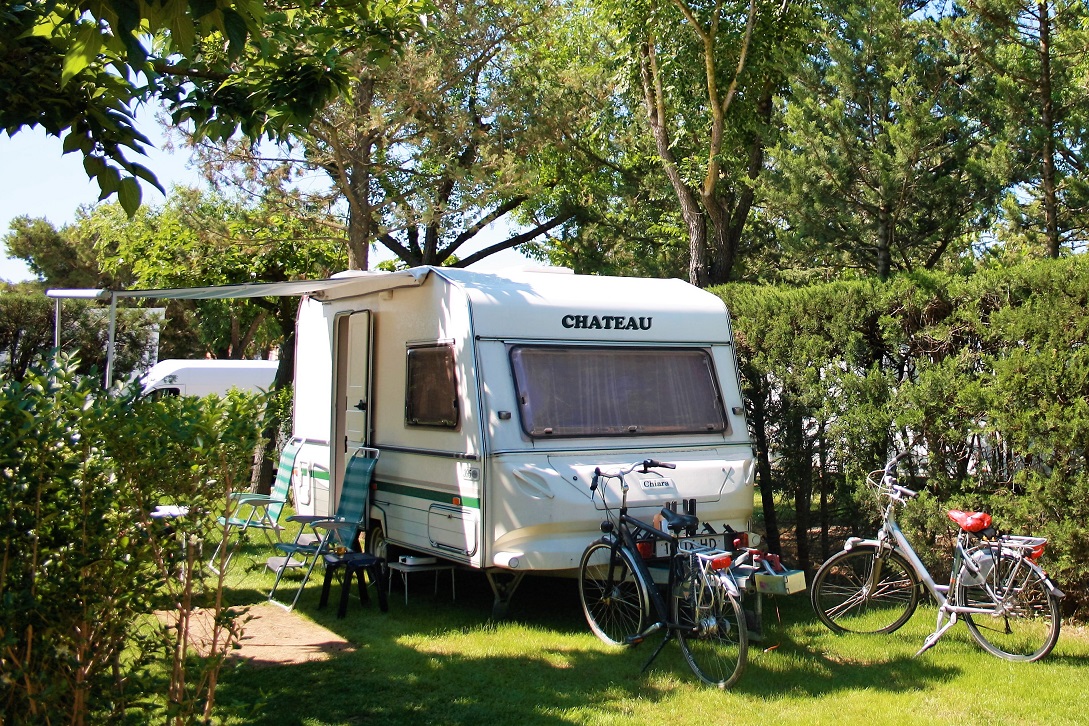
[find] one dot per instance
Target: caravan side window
(431, 390)
(614, 391)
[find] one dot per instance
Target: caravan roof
(553, 303)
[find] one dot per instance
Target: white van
(176, 377)
(492, 398)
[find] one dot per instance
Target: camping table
(437, 567)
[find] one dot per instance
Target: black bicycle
(623, 605)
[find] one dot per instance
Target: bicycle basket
(879, 484)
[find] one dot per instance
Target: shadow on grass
(439, 660)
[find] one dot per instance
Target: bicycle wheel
(613, 592)
(845, 601)
(712, 632)
(1025, 624)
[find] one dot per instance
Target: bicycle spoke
(712, 632)
(847, 597)
(613, 595)
(1025, 623)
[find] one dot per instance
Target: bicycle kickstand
(936, 635)
(666, 639)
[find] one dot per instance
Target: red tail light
(646, 549)
(741, 540)
(1037, 551)
(722, 562)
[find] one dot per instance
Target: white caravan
(492, 398)
(177, 377)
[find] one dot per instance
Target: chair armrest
(332, 523)
(246, 498)
(306, 518)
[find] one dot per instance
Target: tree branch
(516, 240)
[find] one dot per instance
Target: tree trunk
(264, 464)
(763, 470)
(802, 470)
(884, 244)
(1047, 121)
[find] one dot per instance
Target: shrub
(988, 375)
(85, 564)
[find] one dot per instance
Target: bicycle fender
(1052, 589)
(731, 586)
(853, 542)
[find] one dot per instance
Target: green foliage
(77, 68)
(27, 330)
(885, 163)
(988, 375)
(72, 67)
(84, 563)
(1036, 82)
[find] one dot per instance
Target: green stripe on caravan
(316, 474)
(429, 494)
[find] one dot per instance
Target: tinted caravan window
(588, 391)
(431, 393)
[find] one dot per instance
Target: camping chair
(258, 511)
(339, 533)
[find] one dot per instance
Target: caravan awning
(344, 283)
(355, 280)
(211, 292)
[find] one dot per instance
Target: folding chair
(258, 511)
(339, 533)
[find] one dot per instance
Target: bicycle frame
(891, 538)
(623, 534)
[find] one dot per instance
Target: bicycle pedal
(634, 640)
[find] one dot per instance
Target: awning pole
(110, 342)
(57, 324)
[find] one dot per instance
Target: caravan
(492, 398)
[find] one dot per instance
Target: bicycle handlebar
(646, 464)
(655, 464)
(904, 492)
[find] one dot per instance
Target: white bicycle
(1008, 602)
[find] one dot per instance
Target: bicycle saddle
(677, 522)
(970, 521)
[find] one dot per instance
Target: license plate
(700, 541)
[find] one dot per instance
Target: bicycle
(1008, 602)
(619, 595)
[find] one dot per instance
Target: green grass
(434, 661)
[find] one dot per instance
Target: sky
(38, 180)
(41, 181)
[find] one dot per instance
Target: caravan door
(353, 387)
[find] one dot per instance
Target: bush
(989, 375)
(85, 564)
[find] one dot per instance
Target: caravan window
(588, 391)
(431, 392)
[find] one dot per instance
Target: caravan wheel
(375, 544)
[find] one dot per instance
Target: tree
(27, 330)
(885, 163)
(202, 239)
(1036, 50)
(706, 77)
(424, 153)
(77, 68)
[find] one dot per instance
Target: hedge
(84, 565)
(984, 378)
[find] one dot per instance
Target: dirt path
(273, 636)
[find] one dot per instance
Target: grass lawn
(438, 661)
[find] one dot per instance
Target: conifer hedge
(988, 376)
